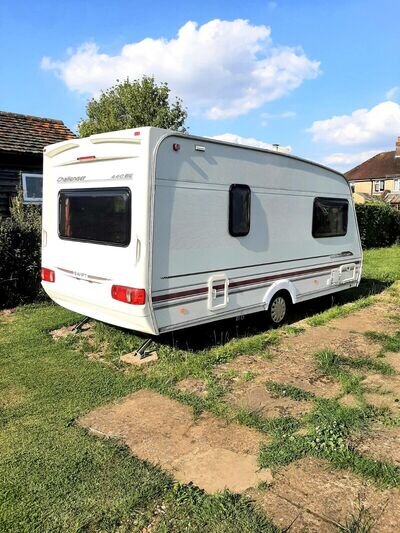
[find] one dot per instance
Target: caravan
(155, 230)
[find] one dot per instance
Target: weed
(248, 376)
(361, 519)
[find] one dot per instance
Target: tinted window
(239, 210)
(330, 217)
(100, 216)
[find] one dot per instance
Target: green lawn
(56, 477)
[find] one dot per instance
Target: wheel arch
(282, 285)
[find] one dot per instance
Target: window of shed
(330, 217)
(32, 187)
(239, 210)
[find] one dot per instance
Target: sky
(320, 77)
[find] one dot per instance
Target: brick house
(378, 178)
(22, 139)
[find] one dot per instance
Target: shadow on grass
(220, 332)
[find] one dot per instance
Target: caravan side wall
(201, 273)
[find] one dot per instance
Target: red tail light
(48, 275)
(128, 295)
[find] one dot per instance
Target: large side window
(330, 217)
(101, 216)
(239, 210)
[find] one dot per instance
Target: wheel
(278, 309)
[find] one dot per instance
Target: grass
(56, 477)
(390, 343)
(338, 367)
(382, 264)
(289, 391)
(339, 311)
(332, 364)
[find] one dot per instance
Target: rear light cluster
(128, 295)
(48, 275)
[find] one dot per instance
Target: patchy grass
(54, 476)
(289, 391)
(329, 428)
(339, 311)
(361, 520)
(390, 343)
(331, 364)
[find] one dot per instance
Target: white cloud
(364, 127)
(249, 141)
(341, 160)
(391, 94)
(221, 69)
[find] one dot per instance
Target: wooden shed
(22, 139)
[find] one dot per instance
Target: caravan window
(330, 217)
(101, 216)
(239, 210)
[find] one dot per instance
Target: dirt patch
(133, 359)
(257, 399)
(348, 400)
(292, 361)
(382, 444)
(289, 367)
(371, 318)
(393, 358)
(315, 498)
(65, 331)
(211, 454)
(7, 315)
(344, 342)
(12, 396)
(389, 385)
(193, 386)
(386, 401)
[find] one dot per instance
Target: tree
(132, 105)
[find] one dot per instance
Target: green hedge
(379, 224)
(20, 249)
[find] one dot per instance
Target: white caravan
(154, 230)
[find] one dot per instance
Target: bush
(20, 243)
(379, 224)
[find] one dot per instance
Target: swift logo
(80, 275)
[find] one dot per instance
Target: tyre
(278, 309)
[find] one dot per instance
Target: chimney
(397, 154)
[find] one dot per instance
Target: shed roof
(379, 166)
(25, 133)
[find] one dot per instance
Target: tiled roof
(24, 133)
(379, 166)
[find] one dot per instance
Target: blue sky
(321, 77)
